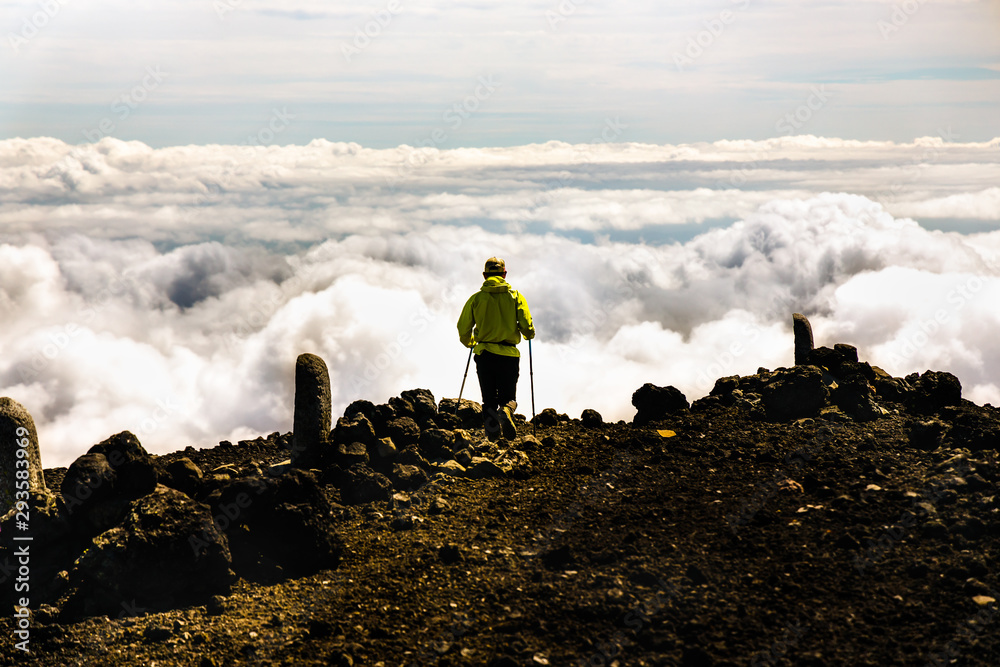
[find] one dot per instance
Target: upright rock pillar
(803, 338)
(311, 428)
(17, 435)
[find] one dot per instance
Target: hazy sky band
(389, 73)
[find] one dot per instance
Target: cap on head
(495, 265)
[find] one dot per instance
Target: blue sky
(671, 72)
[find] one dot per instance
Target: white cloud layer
(169, 291)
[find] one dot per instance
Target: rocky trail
(823, 514)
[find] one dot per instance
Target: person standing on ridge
(492, 323)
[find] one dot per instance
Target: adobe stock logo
(792, 122)
(30, 27)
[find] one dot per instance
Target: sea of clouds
(169, 291)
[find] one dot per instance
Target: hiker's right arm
(466, 322)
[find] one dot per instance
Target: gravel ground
(707, 539)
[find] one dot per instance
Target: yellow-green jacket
(495, 314)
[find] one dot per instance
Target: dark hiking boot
(506, 415)
(491, 424)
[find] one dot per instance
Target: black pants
(498, 381)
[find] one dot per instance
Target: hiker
(492, 323)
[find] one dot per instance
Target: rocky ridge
(821, 514)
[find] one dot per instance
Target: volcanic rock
(90, 478)
(17, 428)
(450, 468)
(469, 412)
(312, 412)
(356, 429)
(464, 456)
(135, 471)
(482, 468)
(591, 418)
(404, 522)
(856, 396)
(407, 477)
(439, 506)
(360, 407)
(547, 417)
(166, 553)
(423, 407)
(385, 450)
(655, 404)
(794, 393)
(802, 331)
(90, 497)
(529, 443)
(411, 456)
(403, 431)
(932, 391)
(361, 484)
(972, 427)
(437, 443)
(277, 526)
(888, 388)
(350, 453)
(182, 474)
(848, 352)
(464, 439)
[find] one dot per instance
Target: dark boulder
(932, 391)
(591, 418)
(848, 352)
(90, 497)
(360, 484)
(407, 477)
(278, 526)
(469, 413)
(437, 443)
(448, 421)
(856, 397)
(349, 454)
(423, 405)
(403, 431)
(360, 407)
(355, 429)
(888, 388)
(184, 475)
(826, 358)
(547, 417)
(725, 386)
(167, 553)
(972, 427)
(88, 479)
(135, 471)
(484, 469)
(654, 403)
(411, 456)
(793, 393)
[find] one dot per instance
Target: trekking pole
(458, 403)
(531, 369)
